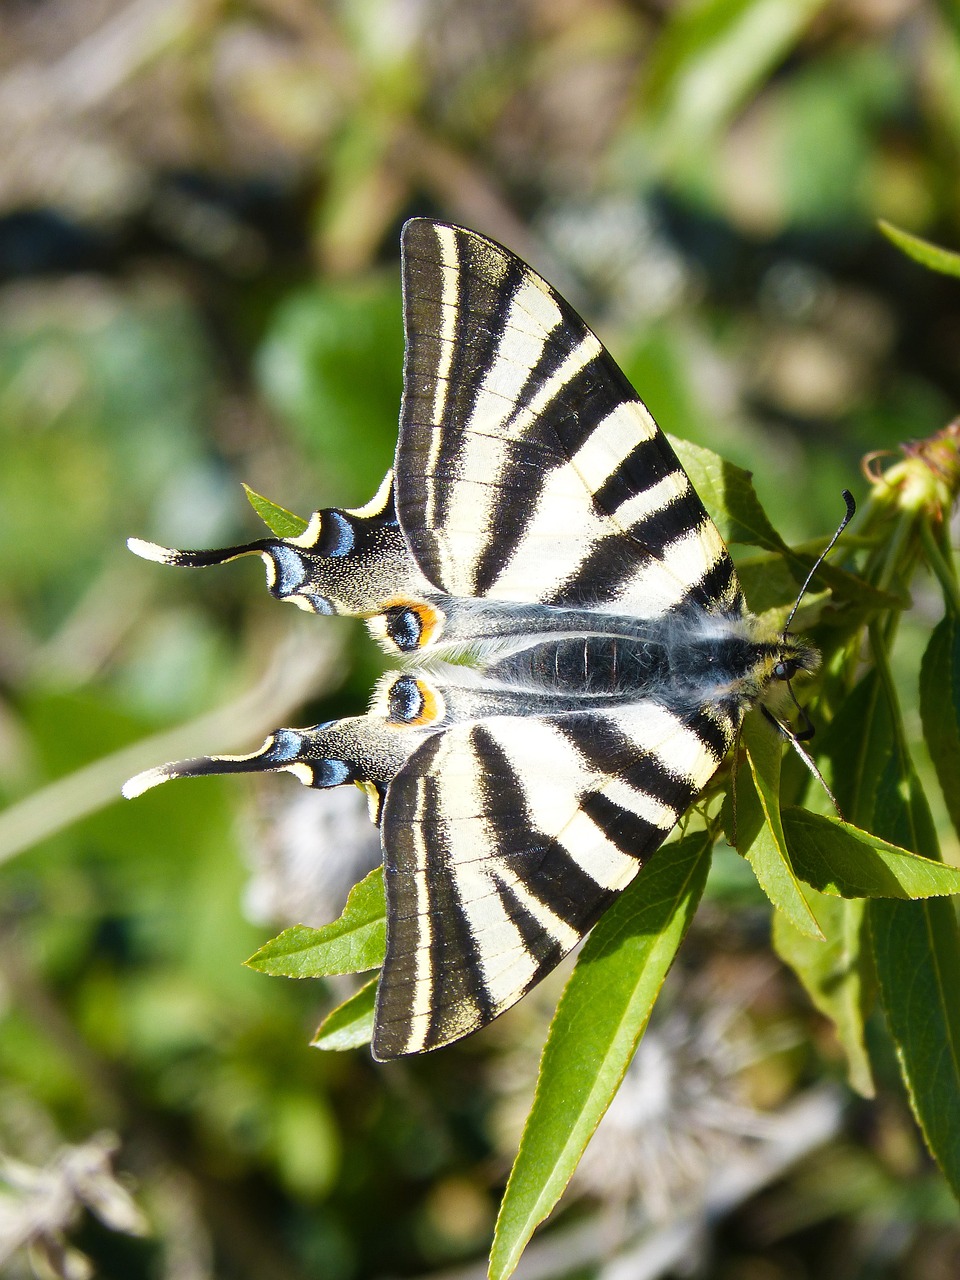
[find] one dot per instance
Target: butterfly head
(792, 656)
(782, 661)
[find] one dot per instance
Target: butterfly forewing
(527, 468)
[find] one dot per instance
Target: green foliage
(760, 836)
(277, 519)
(731, 46)
(315, 367)
(835, 857)
(728, 491)
(351, 944)
(940, 708)
(928, 255)
(836, 973)
(350, 1025)
(594, 1034)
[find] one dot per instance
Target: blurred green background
(200, 204)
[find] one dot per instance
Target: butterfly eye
(785, 669)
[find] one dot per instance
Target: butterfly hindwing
(527, 468)
(505, 840)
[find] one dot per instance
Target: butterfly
(578, 652)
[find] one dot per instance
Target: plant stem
(942, 567)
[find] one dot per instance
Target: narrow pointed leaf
(599, 1021)
(872, 774)
(923, 251)
(916, 945)
(277, 519)
(350, 1025)
(940, 709)
(838, 858)
(837, 975)
(760, 836)
(352, 944)
(917, 951)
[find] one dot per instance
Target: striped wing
(506, 839)
(527, 469)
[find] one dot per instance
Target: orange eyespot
(413, 702)
(411, 624)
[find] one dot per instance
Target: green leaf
(728, 494)
(872, 774)
(350, 1025)
(840, 859)
(352, 944)
(837, 975)
(770, 581)
(708, 59)
(277, 519)
(760, 836)
(916, 945)
(922, 251)
(940, 709)
(599, 1021)
(331, 364)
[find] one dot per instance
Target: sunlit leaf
(352, 944)
(599, 1021)
(759, 833)
(838, 858)
(728, 494)
(277, 519)
(923, 251)
(350, 1025)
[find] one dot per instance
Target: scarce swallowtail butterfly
(579, 653)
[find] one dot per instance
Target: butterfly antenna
(848, 516)
(804, 755)
(807, 728)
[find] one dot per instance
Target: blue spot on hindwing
(319, 604)
(331, 773)
(285, 746)
(337, 537)
(289, 570)
(404, 627)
